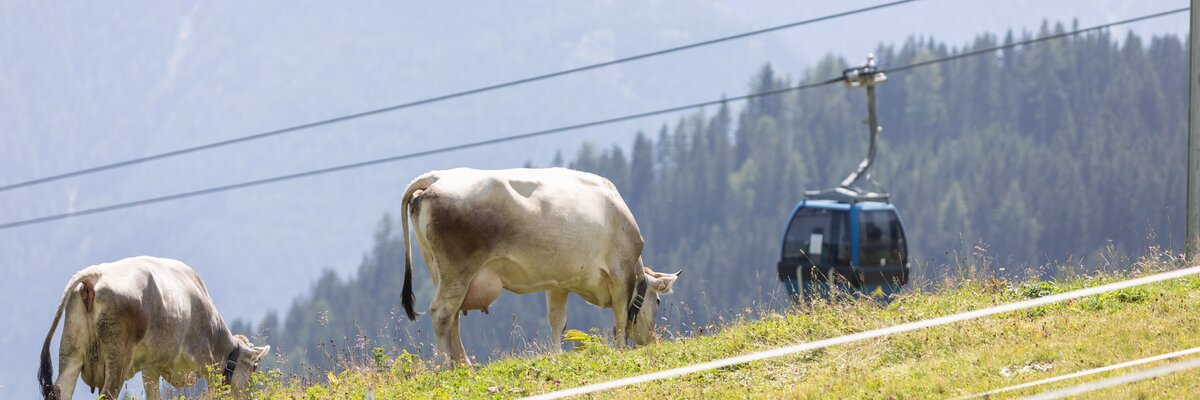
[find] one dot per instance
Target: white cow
(528, 230)
(144, 314)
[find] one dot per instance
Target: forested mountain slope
(1032, 158)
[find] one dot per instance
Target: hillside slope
(947, 361)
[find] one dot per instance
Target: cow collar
(639, 297)
(231, 364)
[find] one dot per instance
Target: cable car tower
(847, 237)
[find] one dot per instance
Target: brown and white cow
(528, 230)
(144, 314)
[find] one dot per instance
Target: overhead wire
(532, 134)
(1033, 41)
(435, 99)
(384, 160)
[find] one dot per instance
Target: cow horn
(679, 273)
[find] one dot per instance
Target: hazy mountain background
(88, 84)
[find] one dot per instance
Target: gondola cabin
(858, 247)
(847, 237)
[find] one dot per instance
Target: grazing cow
(144, 314)
(528, 230)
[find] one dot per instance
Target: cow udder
(484, 289)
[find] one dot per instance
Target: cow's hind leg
(116, 349)
(113, 369)
(150, 381)
(117, 368)
(68, 373)
(75, 348)
(556, 315)
(444, 313)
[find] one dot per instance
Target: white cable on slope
(1087, 372)
(911, 326)
(1119, 380)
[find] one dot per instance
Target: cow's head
(245, 363)
(641, 328)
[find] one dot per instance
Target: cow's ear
(660, 282)
(260, 352)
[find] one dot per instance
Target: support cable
(545, 132)
(435, 99)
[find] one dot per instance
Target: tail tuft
(46, 376)
(407, 297)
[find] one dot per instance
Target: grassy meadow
(941, 362)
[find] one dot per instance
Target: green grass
(946, 361)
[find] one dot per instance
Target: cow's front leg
(556, 315)
(444, 313)
(621, 316)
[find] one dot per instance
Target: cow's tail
(406, 296)
(45, 374)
